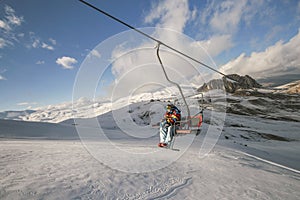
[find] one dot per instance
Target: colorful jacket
(173, 116)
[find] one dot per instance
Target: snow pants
(166, 132)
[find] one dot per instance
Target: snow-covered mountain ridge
(83, 107)
(290, 88)
(248, 99)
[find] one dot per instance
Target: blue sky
(43, 43)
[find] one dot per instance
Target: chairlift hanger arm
(172, 82)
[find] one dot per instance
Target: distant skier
(168, 125)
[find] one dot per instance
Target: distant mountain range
(15, 115)
(245, 96)
(235, 83)
(279, 80)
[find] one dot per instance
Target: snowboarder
(168, 125)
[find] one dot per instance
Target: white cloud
(52, 41)
(4, 25)
(15, 20)
(2, 43)
(224, 17)
(171, 14)
(274, 31)
(11, 18)
(216, 44)
(26, 103)
(227, 18)
(66, 62)
(21, 35)
(276, 59)
(2, 78)
(8, 25)
(9, 22)
(194, 13)
(40, 62)
(38, 43)
(95, 53)
(46, 46)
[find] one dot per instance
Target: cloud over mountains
(280, 58)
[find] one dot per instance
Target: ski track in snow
(272, 163)
(163, 190)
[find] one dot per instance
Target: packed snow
(43, 169)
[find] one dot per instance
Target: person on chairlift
(168, 125)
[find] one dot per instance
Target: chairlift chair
(192, 123)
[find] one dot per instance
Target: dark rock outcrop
(231, 83)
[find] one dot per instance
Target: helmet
(169, 107)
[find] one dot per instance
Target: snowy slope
(253, 159)
(65, 170)
(36, 130)
(255, 154)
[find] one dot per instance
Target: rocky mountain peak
(227, 83)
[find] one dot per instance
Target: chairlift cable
(152, 38)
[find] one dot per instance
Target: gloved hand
(170, 120)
